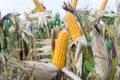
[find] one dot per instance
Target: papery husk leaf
(101, 57)
(25, 38)
(79, 58)
(45, 60)
(41, 70)
(70, 74)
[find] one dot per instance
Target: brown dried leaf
(53, 37)
(79, 57)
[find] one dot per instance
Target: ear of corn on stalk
(101, 56)
(38, 6)
(74, 4)
(61, 44)
(104, 3)
(73, 26)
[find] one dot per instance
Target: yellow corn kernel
(73, 26)
(59, 58)
(104, 3)
(38, 6)
(74, 4)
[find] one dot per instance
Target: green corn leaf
(109, 46)
(34, 10)
(88, 66)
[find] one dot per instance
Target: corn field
(83, 46)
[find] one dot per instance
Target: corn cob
(104, 3)
(38, 6)
(60, 50)
(74, 4)
(73, 27)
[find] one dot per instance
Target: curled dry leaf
(45, 60)
(73, 44)
(101, 57)
(46, 50)
(79, 58)
(43, 71)
(44, 42)
(82, 40)
(24, 37)
(117, 73)
(70, 74)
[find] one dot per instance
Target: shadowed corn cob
(74, 4)
(60, 50)
(73, 27)
(104, 3)
(38, 6)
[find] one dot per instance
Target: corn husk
(79, 58)
(40, 70)
(101, 57)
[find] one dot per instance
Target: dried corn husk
(43, 71)
(101, 57)
(79, 58)
(117, 74)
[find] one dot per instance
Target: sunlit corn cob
(38, 6)
(73, 26)
(74, 4)
(60, 50)
(104, 3)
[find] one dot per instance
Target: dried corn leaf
(44, 42)
(79, 58)
(117, 73)
(25, 38)
(45, 60)
(43, 54)
(70, 74)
